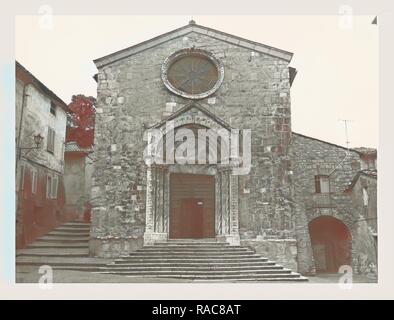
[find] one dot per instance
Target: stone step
(61, 264)
(198, 262)
(203, 240)
(61, 260)
(190, 254)
(191, 260)
(76, 224)
(46, 256)
(208, 275)
(194, 273)
(188, 248)
(68, 234)
(24, 266)
(194, 259)
(39, 244)
(196, 268)
(191, 243)
(252, 279)
(191, 246)
(72, 230)
(53, 252)
(63, 239)
(198, 252)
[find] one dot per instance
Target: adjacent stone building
(39, 168)
(77, 180)
(331, 229)
(199, 78)
(363, 190)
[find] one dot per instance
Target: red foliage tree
(81, 120)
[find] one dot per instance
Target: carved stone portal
(158, 191)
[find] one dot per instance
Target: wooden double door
(192, 206)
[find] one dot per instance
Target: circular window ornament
(192, 73)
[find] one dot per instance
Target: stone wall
(77, 182)
(282, 251)
(36, 214)
(369, 211)
(36, 119)
(131, 97)
(365, 235)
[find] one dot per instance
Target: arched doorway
(331, 244)
(187, 197)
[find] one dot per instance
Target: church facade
(193, 140)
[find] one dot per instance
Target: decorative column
(218, 203)
(234, 238)
(227, 222)
(153, 231)
(148, 211)
(160, 199)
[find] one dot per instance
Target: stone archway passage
(192, 206)
(331, 244)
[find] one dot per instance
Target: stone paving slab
(334, 278)
(48, 260)
(67, 276)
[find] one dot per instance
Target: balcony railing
(322, 200)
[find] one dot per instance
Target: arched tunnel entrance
(331, 244)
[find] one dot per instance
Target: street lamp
(38, 138)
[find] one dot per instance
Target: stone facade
(270, 208)
(255, 94)
(77, 180)
(283, 251)
(37, 212)
(363, 191)
(311, 158)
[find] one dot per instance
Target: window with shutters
(52, 186)
(51, 140)
(365, 197)
(34, 181)
(21, 181)
(49, 186)
(53, 109)
(322, 184)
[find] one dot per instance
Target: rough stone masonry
(254, 94)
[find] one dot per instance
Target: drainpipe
(18, 157)
(18, 152)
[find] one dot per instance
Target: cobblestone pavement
(67, 276)
(334, 278)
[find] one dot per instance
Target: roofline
(42, 86)
(292, 74)
(187, 107)
(80, 150)
(330, 143)
(220, 35)
(356, 177)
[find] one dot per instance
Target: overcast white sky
(337, 66)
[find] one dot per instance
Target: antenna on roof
(346, 131)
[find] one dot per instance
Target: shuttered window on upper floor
(322, 184)
(52, 186)
(53, 109)
(34, 181)
(51, 140)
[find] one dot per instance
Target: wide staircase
(64, 248)
(67, 248)
(200, 260)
